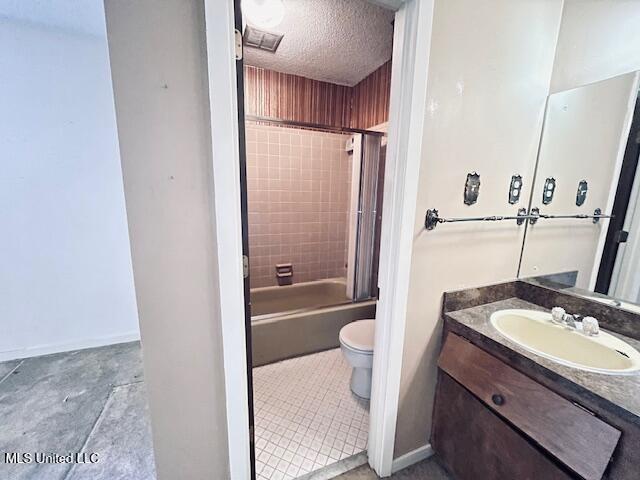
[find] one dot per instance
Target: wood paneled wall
(370, 98)
(291, 97)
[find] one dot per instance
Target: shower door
(366, 239)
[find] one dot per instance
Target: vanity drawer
(575, 437)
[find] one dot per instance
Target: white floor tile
(306, 415)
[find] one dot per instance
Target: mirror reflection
(589, 151)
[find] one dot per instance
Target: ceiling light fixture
(263, 13)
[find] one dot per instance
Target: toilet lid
(358, 335)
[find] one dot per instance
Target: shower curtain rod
(291, 123)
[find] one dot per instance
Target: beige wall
(489, 74)
(159, 70)
(598, 40)
(298, 184)
(585, 134)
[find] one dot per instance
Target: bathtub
(302, 318)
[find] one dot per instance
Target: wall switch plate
(515, 189)
(471, 188)
(549, 189)
(581, 195)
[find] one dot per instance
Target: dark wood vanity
(501, 413)
(518, 427)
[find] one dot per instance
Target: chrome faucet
(571, 321)
(588, 325)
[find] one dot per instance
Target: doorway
(311, 189)
(412, 33)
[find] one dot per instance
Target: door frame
(407, 112)
(623, 195)
(613, 189)
(412, 36)
(225, 139)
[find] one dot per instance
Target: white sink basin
(535, 332)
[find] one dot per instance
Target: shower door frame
(408, 109)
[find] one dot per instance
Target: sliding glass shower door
(364, 239)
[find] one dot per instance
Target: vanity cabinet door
(474, 443)
(570, 435)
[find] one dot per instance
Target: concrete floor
(84, 401)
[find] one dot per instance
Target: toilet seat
(359, 336)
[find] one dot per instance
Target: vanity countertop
(617, 393)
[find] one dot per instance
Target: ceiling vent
(261, 39)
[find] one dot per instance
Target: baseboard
(66, 347)
(412, 457)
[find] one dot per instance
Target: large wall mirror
(586, 166)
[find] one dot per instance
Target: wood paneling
(291, 97)
(576, 438)
(473, 443)
(370, 99)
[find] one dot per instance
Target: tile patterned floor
(306, 415)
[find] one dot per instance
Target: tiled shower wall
(298, 190)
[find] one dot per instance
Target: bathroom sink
(535, 332)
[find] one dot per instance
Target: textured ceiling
(83, 16)
(337, 41)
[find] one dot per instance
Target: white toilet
(356, 342)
